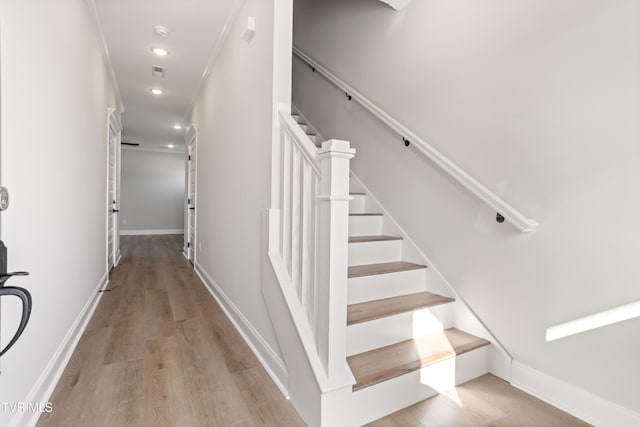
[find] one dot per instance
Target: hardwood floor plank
(159, 320)
(126, 342)
(381, 364)
(121, 391)
(382, 268)
(371, 310)
(159, 351)
(485, 401)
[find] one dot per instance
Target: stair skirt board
(379, 400)
(362, 337)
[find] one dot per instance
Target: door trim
(191, 141)
(113, 123)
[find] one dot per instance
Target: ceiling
(194, 27)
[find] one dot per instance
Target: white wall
(233, 114)
(55, 94)
(539, 100)
(152, 191)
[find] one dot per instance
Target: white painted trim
(594, 321)
(179, 151)
(224, 32)
(274, 366)
(515, 217)
(114, 125)
(150, 232)
(577, 402)
(48, 379)
(105, 52)
(191, 142)
(307, 148)
(397, 4)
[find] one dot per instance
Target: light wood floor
(159, 352)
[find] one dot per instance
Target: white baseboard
(46, 383)
(150, 232)
(577, 402)
(274, 366)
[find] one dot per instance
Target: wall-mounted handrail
(593, 321)
(502, 207)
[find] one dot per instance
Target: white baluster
(296, 249)
(305, 249)
(286, 207)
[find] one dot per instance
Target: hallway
(159, 351)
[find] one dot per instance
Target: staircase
(402, 344)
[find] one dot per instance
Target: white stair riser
(365, 225)
(307, 128)
(357, 205)
(369, 288)
(389, 330)
(382, 399)
(355, 186)
(375, 252)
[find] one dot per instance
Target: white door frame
(191, 141)
(114, 134)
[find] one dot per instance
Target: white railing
(311, 195)
(502, 207)
(593, 321)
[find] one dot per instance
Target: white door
(190, 235)
(113, 231)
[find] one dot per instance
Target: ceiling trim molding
(180, 150)
(105, 52)
(226, 28)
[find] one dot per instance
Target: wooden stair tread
(371, 310)
(365, 214)
(382, 268)
(381, 364)
(365, 239)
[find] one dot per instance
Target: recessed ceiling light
(177, 127)
(160, 51)
(157, 91)
(170, 145)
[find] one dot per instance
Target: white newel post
(333, 236)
